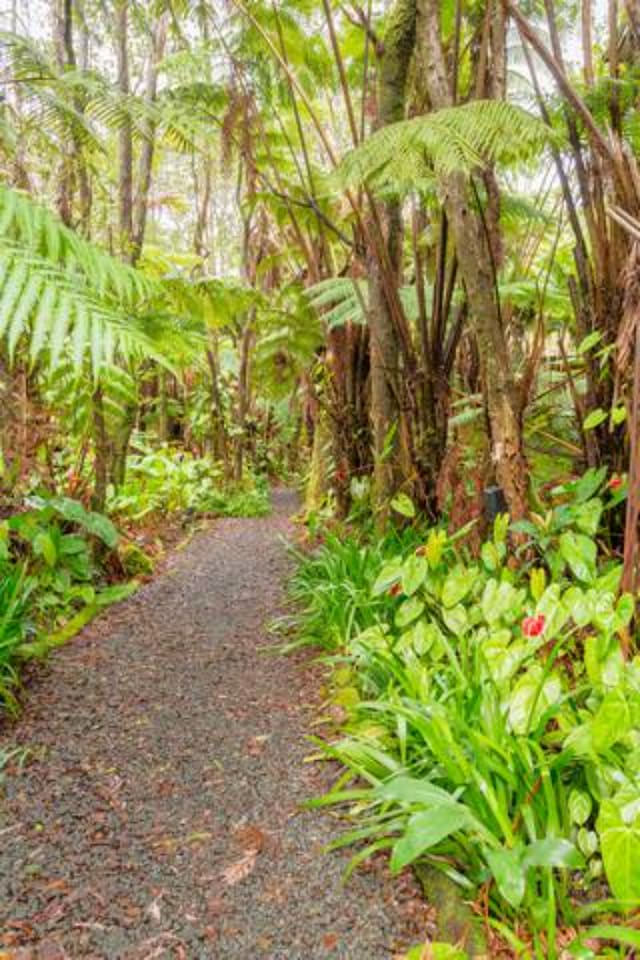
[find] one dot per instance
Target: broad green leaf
(588, 484)
(620, 846)
(580, 806)
(410, 790)
(501, 600)
(588, 515)
(579, 552)
(537, 582)
(390, 574)
(594, 419)
(456, 620)
(508, 873)
(425, 830)
(408, 611)
(44, 546)
(435, 547)
(404, 505)
(532, 695)
(612, 721)
(420, 637)
(414, 573)
(618, 415)
(551, 607)
(552, 852)
(457, 586)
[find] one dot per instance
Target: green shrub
(174, 481)
(50, 577)
(135, 561)
(493, 725)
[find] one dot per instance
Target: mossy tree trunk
(478, 273)
(393, 70)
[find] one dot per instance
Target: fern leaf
(455, 139)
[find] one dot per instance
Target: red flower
(420, 551)
(615, 483)
(394, 590)
(533, 626)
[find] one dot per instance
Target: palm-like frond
(345, 298)
(81, 103)
(456, 139)
(343, 295)
(65, 295)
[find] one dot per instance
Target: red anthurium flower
(533, 626)
(615, 483)
(394, 590)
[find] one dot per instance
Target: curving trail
(158, 816)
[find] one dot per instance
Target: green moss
(135, 561)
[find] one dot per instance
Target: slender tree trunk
(163, 412)
(244, 388)
(63, 44)
(145, 164)
(218, 432)
(125, 143)
(477, 271)
(101, 442)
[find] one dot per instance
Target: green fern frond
(456, 139)
(61, 294)
(341, 295)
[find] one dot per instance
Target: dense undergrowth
(61, 563)
(489, 715)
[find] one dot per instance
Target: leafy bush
(492, 720)
(332, 587)
(50, 580)
(169, 481)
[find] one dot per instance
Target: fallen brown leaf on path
(240, 870)
(250, 838)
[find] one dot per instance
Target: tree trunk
(125, 144)
(477, 271)
(145, 164)
(101, 463)
(393, 70)
(63, 44)
(244, 387)
(218, 432)
(163, 412)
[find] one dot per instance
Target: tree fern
(54, 96)
(63, 294)
(346, 300)
(454, 139)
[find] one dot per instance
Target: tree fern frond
(29, 225)
(56, 288)
(456, 139)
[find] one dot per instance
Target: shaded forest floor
(157, 811)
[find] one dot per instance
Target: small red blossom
(615, 483)
(394, 590)
(533, 626)
(420, 552)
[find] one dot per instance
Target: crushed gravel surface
(157, 811)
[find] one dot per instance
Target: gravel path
(157, 815)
